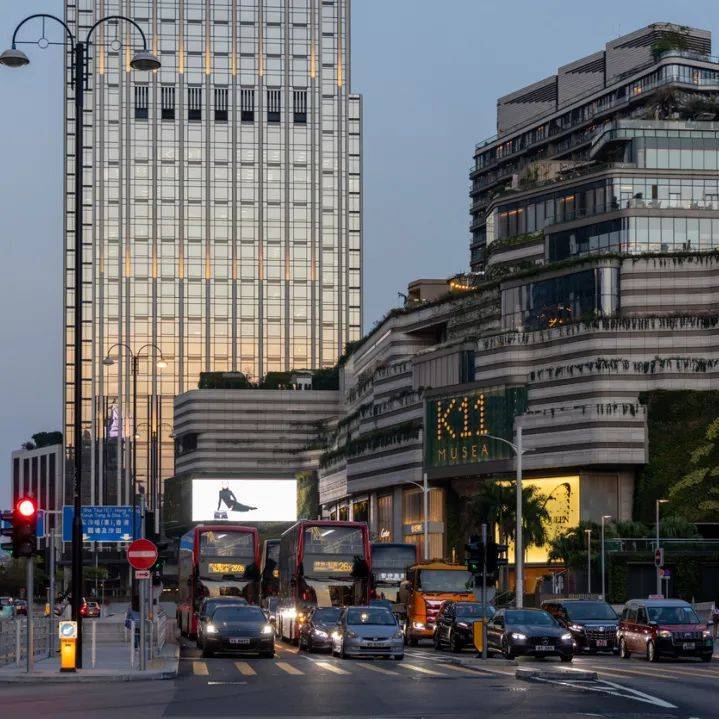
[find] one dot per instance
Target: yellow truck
(428, 584)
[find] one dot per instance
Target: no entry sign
(142, 554)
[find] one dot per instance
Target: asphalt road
(425, 684)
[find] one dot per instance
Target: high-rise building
(222, 210)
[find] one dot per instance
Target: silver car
(368, 632)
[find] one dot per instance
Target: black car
(455, 624)
(316, 632)
(593, 623)
(238, 629)
(531, 632)
(209, 604)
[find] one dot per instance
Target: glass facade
(413, 520)
(222, 209)
(560, 300)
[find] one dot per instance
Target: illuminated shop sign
(457, 426)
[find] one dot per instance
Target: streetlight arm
(119, 345)
(47, 16)
(507, 442)
(149, 345)
(118, 17)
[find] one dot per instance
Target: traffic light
(496, 556)
(474, 554)
(24, 528)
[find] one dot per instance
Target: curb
(560, 674)
(479, 668)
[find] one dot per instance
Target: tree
(308, 496)
(696, 494)
(570, 547)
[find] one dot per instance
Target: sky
(429, 72)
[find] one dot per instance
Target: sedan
(530, 632)
(238, 629)
(208, 606)
(455, 624)
(368, 631)
(90, 610)
(316, 632)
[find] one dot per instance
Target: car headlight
(267, 629)
(336, 635)
(463, 625)
(576, 627)
(352, 635)
(418, 625)
(399, 634)
(319, 633)
(211, 629)
(665, 634)
(519, 636)
(707, 634)
(566, 637)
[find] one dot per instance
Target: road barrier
(13, 639)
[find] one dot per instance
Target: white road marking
(375, 668)
(331, 667)
(246, 669)
(421, 670)
(288, 668)
(199, 669)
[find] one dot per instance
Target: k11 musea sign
(457, 425)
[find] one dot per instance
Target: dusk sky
(430, 74)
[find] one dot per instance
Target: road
(425, 684)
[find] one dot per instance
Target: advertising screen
(244, 500)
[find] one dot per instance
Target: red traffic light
(26, 507)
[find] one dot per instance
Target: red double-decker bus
(323, 563)
(216, 560)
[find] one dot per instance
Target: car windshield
(590, 610)
(327, 616)
(471, 610)
(370, 615)
(672, 615)
(238, 614)
(445, 580)
(539, 619)
(236, 602)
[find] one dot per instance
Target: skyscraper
(223, 215)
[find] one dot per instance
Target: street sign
(659, 557)
(142, 554)
(40, 526)
(102, 524)
(67, 630)
(664, 573)
(142, 574)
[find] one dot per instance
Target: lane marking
(199, 669)
(464, 670)
(381, 670)
(331, 667)
(421, 670)
(245, 669)
(641, 696)
(288, 668)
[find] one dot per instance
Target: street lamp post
(135, 361)
(155, 468)
(659, 569)
(588, 532)
(518, 540)
(425, 492)
(143, 60)
(604, 517)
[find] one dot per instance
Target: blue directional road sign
(103, 524)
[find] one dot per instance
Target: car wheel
(398, 657)
(455, 643)
(652, 653)
(566, 657)
(507, 653)
(343, 654)
(308, 645)
(436, 643)
(268, 655)
(624, 653)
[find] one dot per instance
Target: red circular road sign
(142, 554)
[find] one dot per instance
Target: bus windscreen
(226, 555)
(332, 550)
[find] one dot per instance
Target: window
(273, 105)
(141, 97)
(194, 103)
(247, 105)
(167, 102)
(466, 366)
(299, 98)
(220, 104)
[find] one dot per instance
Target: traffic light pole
(29, 638)
(484, 591)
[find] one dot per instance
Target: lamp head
(145, 60)
(161, 364)
(108, 361)
(14, 58)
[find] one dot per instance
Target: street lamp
(659, 569)
(425, 492)
(604, 517)
(588, 532)
(155, 461)
(135, 357)
(518, 541)
(142, 60)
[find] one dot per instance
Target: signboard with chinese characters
(457, 425)
(102, 524)
(331, 566)
(226, 568)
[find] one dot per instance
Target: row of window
(221, 104)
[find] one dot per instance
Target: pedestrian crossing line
(463, 670)
(199, 669)
(285, 667)
(331, 667)
(245, 669)
(421, 670)
(375, 668)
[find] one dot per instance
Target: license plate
(235, 640)
(375, 645)
(688, 645)
(602, 643)
(543, 648)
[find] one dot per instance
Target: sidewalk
(112, 664)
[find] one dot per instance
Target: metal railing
(13, 648)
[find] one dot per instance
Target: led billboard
(244, 500)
